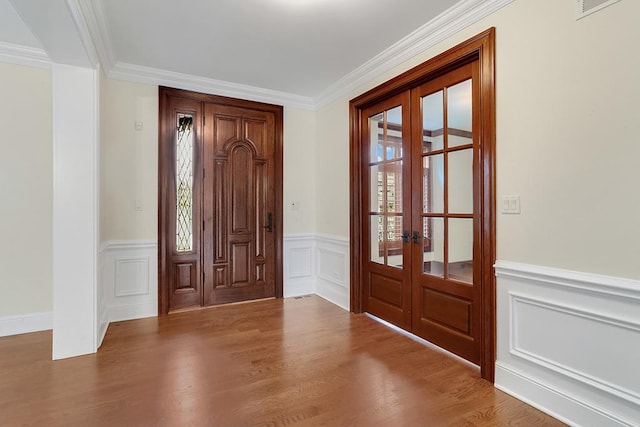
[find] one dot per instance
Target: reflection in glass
(376, 227)
(459, 115)
(433, 243)
(433, 122)
(433, 184)
(184, 183)
(460, 244)
(376, 136)
(394, 241)
(394, 133)
(377, 188)
(460, 174)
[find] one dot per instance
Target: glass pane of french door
(448, 182)
(386, 188)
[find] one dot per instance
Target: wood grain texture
(302, 362)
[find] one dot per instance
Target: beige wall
(300, 151)
(567, 109)
(26, 190)
(129, 160)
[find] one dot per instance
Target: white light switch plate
(511, 204)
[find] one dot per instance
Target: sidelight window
(184, 183)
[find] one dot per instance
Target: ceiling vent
(587, 7)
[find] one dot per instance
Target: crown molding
(458, 17)
(156, 76)
(96, 23)
(24, 55)
(84, 33)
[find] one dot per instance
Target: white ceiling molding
(84, 33)
(155, 76)
(23, 55)
(96, 22)
(457, 18)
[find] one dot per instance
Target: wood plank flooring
(302, 362)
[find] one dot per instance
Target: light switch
(511, 204)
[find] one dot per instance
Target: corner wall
(26, 194)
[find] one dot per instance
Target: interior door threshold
(422, 341)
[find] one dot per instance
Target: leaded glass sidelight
(184, 183)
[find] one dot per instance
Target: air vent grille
(587, 7)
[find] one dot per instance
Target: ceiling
(295, 48)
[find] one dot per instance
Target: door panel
(239, 239)
(445, 295)
(386, 205)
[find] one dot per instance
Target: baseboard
(552, 401)
(15, 325)
(120, 313)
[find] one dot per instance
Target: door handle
(269, 225)
(415, 236)
(405, 236)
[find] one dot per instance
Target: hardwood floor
(268, 363)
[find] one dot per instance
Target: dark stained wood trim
(165, 94)
(479, 48)
(428, 133)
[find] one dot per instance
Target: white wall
(26, 188)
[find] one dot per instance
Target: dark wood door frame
(166, 129)
(480, 48)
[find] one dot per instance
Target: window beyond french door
(423, 221)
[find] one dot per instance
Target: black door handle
(405, 236)
(269, 225)
(415, 237)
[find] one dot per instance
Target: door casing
(480, 48)
(164, 182)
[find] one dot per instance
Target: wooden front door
(423, 224)
(239, 204)
(220, 200)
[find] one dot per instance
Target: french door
(425, 204)
(220, 200)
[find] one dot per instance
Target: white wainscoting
(569, 343)
(317, 264)
(128, 282)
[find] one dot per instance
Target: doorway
(423, 201)
(219, 200)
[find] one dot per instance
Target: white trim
(82, 28)
(24, 55)
(96, 22)
(117, 245)
(26, 323)
(119, 313)
(594, 283)
(453, 20)
(154, 76)
(553, 401)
